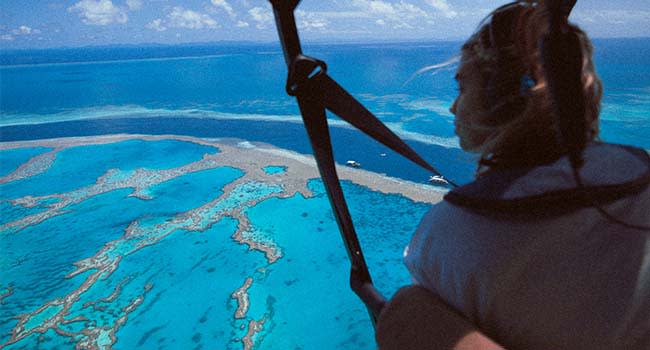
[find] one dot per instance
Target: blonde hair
(522, 129)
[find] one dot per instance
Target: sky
(73, 23)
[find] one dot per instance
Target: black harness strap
(316, 91)
(562, 61)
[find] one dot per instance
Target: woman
(539, 252)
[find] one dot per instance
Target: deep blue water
(238, 82)
(281, 134)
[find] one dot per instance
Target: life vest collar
(610, 172)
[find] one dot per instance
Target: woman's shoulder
(450, 235)
(494, 270)
(450, 229)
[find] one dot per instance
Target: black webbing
(562, 61)
(316, 91)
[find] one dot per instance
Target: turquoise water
(181, 279)
(75, 168)
(309, 288)
(275, 169)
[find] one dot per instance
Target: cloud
(400, 14)
(310, 21)
(99, 12)
(22, 31)
(182, 18)
(444, 8)
(134, 5)
(262, 16)
(25, 30)
(612, 16)
(179, 17)
(242, 24)
(156, 25)
(225, 6)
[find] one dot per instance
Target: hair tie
(525, 85)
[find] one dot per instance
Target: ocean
(162, 196)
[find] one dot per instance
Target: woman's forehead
(466, 67)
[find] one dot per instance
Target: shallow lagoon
(123, 271)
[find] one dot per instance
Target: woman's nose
(452, 109)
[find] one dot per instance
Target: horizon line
(275, 41)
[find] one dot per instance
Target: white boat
(438, 179)
(353, 163)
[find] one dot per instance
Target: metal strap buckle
(301, 71)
